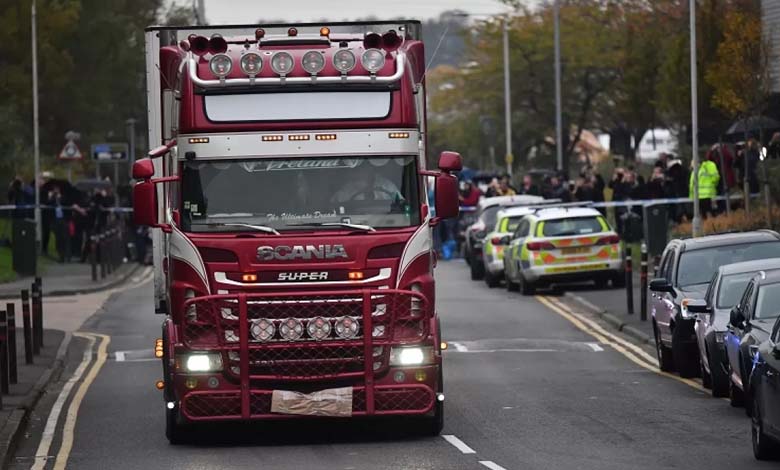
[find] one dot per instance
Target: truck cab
(293, 260)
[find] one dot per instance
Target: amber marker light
(159, 384)
(398, 135)
(355, 275)
(249, 277)
(199, 140)
(324, 31)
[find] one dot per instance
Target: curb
(613, 320)
(86, 290)
(14, 427)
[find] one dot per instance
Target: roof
(515, 212)
(750, 266)
(726, 239)
(566, 213)
(768, 277)
(509, 201)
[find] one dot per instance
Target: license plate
(577, 250)
(334, 402)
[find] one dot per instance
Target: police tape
(628, 203)
(10, 207)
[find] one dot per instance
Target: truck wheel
(763, 445)
(176, 431)
(477, 270)
(720, 381)
(433, 425)
(686, 357)
(492, 280)
(526, 287)
(664, 354)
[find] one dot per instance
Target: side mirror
(143, 169)
(736, 318)
(698, 306)
(446, 195)
(449, 162)
(662, 285)
(500, 241)
(145, 203)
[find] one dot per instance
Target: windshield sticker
(308, 215)
(281, 165)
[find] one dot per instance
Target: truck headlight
(202, 362)
(415, 356)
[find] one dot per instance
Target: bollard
(3, 353)
(629, 280)
(38, 314)
(12, 369)
(643, 284)
(101, 256)
(93, 256)
(27, 325)
(36, 300)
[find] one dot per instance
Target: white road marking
(509, 350)
(460, 445)
(595, 347)
(119, 356)
(491, 465)
(42, 454)
(459, 347)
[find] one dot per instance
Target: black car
(712, 318)
(686, 269)
(765, 397)
(750, 325)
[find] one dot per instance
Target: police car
(493, 248)
(566, 244)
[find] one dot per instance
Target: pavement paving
(525, 389)
(69, 279)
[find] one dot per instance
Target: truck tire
(477, 270)
(433, 425)
(526, 287)
(719, 379)
(664, 354)
(176, 430)
(686, 355)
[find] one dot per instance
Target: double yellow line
(629, 350)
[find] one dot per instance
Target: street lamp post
(695, 123)
(36, 136)
(507, 100)
(558, 105)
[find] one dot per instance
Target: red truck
(293, 257)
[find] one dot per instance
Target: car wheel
(720, 380)
(686, 355)
(526, 287)
(492, 280)
(477, 270)
(619, 280)
(736, 397)
(706, 378)
(664, 354)
(511, 286)
(763, 446)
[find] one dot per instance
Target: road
(527, 387)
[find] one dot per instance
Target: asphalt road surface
(529, 382)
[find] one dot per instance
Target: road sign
(109, 152)
(70, 151)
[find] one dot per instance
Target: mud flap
(334, 402)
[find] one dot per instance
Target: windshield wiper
(365, 228)
(259, 228)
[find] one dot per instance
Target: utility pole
(695, 123)
(201, 12)
(558, 105)
(131, 144)
(507, 101)
(36, 135)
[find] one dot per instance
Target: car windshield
(490, 215)
(288, 194)
(698, 266)
(571, 226)
(509, 224)
(731, 289)
(768, 302)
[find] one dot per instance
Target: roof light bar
(221, 65)
(324, 136)
(251, 63)
(282, 63)
(344, 60)
(313, 62)
(272, 138)
(296, 137)
(372, 60)
(199, 140)
(398, 135)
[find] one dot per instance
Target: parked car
(765, 397)
(750, 324)
(712, 318)
(495, 242)
(555, 245)
(487, 211)
(686, 269)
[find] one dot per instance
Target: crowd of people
(68, 214)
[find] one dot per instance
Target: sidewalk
(612, 306)
(69, 279)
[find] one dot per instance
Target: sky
(249, 11)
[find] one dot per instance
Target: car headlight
(202, 362)
(414, 356)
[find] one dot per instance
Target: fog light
(420, 376)
(346, 327)
(191, 382)
(213, 382)
(291, 329)
(318, 328)
(399, 376)
(262, 329)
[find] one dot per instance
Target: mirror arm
(435, 174)
(164, 179)
(434, 221)
(162, 150)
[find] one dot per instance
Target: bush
(737, 221)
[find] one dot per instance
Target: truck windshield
(288, 194)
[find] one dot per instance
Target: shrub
(737, 221)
